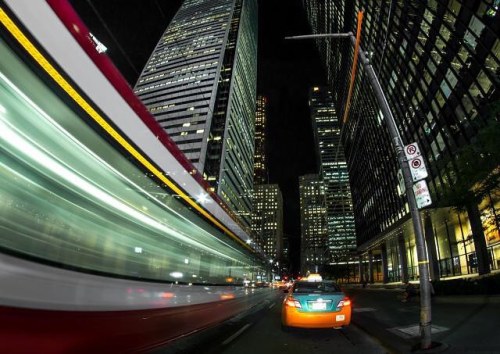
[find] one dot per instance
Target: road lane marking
(271, 306)
(240, 331)
(363, 309)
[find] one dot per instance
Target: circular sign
(416, 163)
(410, 149)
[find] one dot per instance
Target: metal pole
(425, 294)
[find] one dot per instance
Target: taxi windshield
(315, 287)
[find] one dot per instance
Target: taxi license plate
(340, 318)
(319, 306)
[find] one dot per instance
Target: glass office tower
(314, 229)
(438, 64)
(200, 84)
(268, 220)
(341, 241)
(260, 164)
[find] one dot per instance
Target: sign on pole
(412, 151)
(422, 195)
(417, 168)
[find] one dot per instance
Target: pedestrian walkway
(398, 287)
(465, 324)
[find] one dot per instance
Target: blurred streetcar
(110, 238)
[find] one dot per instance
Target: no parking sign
(417, 168)
(416, 162)
(418, 174)
(412, 151)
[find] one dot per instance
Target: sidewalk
(465, 324)
(457, 299)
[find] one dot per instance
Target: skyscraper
(200, 84)
(314, 230)
(268, 220)
(438, 64)
(260, 164)
(341, 240)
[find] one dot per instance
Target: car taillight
(291, 302)
(344, 302)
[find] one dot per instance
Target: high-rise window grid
(314, 228)
(438, 63)
(267, 221)
(200, 84)
(260, 164)
(341, 241)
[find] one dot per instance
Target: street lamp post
(425, 293)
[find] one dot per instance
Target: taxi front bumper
(293, 317)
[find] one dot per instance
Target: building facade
(341, 240)
(267, 223)
(200, 85)
(260, 163)
(314, 229)
(438, 64)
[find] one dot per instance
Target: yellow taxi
(315, 304)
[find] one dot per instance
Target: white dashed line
(363, 309)
(241, 330)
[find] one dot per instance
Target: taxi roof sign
(314, 277)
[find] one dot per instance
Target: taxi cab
(315, 303)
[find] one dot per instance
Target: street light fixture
(425, 292)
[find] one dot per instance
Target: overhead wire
(113, 38)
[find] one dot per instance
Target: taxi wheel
(285, 328)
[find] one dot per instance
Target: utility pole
(425, 293)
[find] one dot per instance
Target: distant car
(261, 284)
(315, 304)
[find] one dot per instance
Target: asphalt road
(381, 323)
(263, 334)
(464, 324)
(259, 332)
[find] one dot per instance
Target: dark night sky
(286, 70)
